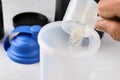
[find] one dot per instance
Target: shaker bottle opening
(59, 43)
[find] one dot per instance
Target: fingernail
(100, 27)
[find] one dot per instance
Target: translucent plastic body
(57, 62)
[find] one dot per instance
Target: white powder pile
(76, 38)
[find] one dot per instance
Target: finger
(106, 8)
(109, 26)
(101, 25)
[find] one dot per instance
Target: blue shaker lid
(23, 60)
(22, 45)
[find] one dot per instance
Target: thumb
(109, 26)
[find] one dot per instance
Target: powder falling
(76, 38)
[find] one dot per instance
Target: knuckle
(115, 35)
(100, 8)
(117, 38)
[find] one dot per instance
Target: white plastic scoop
(79, 12)
(79, 22)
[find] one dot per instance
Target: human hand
(109, 10)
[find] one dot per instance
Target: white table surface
(108, 56)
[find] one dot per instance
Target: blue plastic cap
(23, 48)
